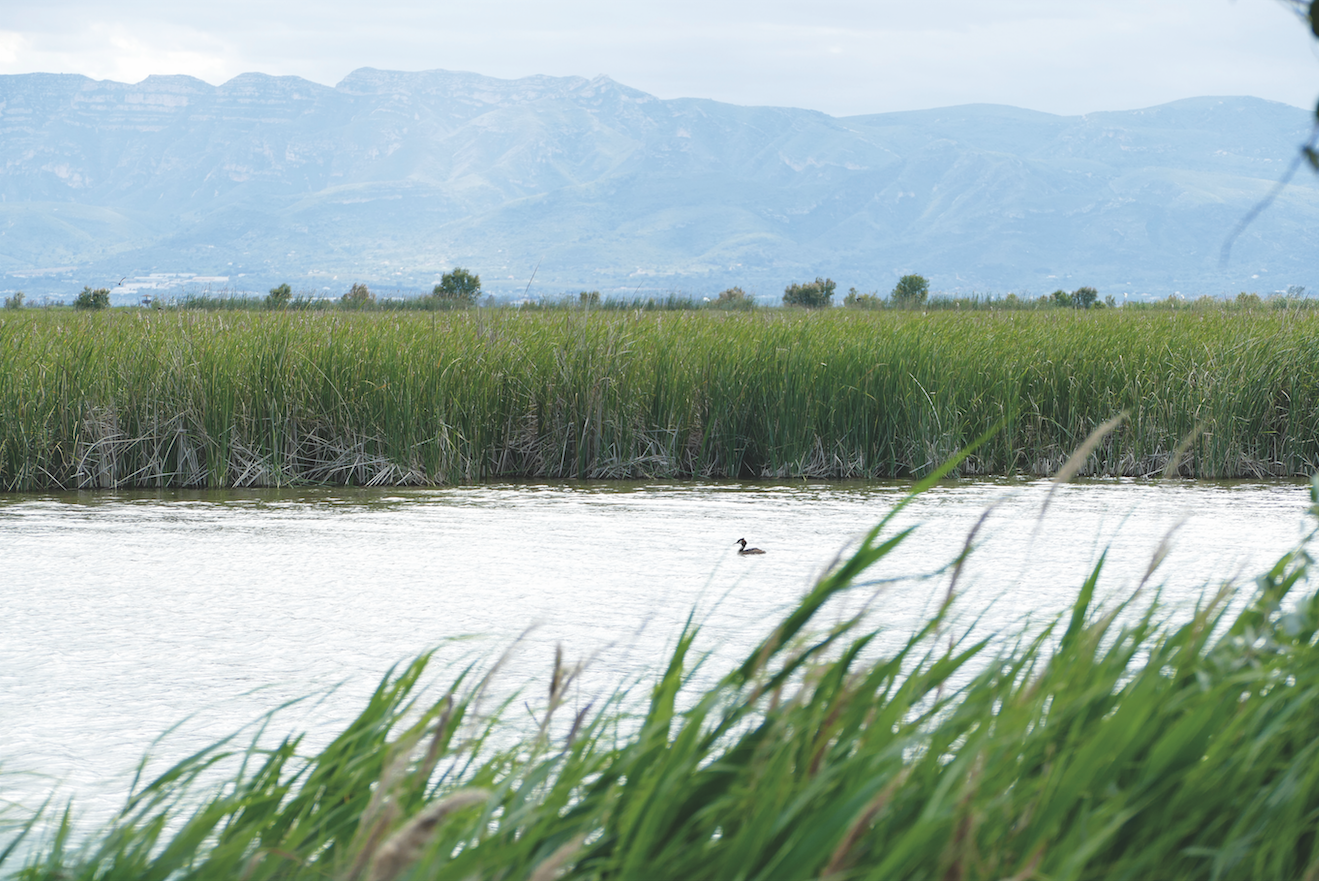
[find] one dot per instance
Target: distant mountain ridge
(390, 178)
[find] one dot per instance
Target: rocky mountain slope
(391, 178)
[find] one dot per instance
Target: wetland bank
(135, 398)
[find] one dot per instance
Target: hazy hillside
(390, 178)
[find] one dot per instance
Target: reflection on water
(127, 613)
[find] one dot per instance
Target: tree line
(461, 289)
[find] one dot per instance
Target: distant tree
(92, 299)
(1249, 301)
(857, 300)
(458, 287)
(279, 297)
(814, 295)
(1110, 301)
(589, 298)
(911, 290)
(1084, 298)
(734, 298)
(1061, 298)
(15, 301)
(358, 297)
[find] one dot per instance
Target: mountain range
(391, 178)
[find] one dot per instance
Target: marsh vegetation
(192, 398)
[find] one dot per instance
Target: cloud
(839, 56)
(118, 50)
(11, 46)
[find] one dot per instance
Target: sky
(841, 57)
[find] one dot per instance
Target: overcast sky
(837, 56)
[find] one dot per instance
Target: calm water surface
(125, 614)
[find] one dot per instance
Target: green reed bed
(217, 399)
(1113, 745)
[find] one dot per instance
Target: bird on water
(745, 551)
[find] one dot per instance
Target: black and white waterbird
(745, 551)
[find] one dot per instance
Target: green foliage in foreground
(1112, 745)
(146, 398)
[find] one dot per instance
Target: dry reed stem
(560, 681)
(549, 869)
(393, 773)
(966, 552)
(1029, 871)
(406, 845)
(382, 810)
(259, 857)
(1077, 459)
(1160, 553)
(1175, 461)
(964, 836)
(367, 850)
(432, 758)
(577, 724)
(838, 860)
(478, 693)
(825, 732)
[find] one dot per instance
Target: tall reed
(1112, 745)
(238, 399)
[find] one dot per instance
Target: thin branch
(1301, 155)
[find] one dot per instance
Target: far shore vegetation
(461, 289)
(359, 394)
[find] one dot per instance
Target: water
(126, 614)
